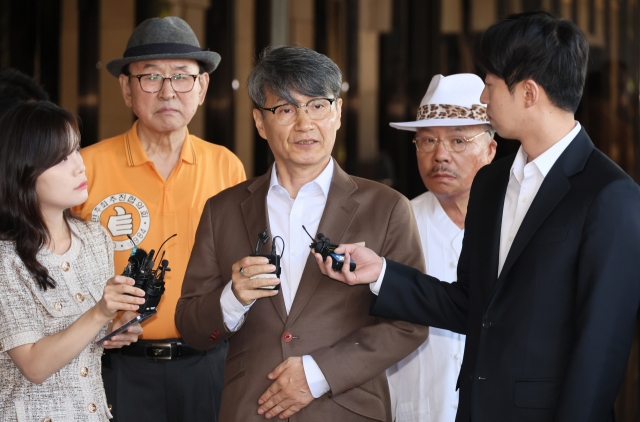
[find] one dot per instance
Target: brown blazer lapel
(336, 219)
(254, 213)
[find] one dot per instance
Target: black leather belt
(170, 349)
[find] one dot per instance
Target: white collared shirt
(286, 218)
(525, 180)
(422, 386)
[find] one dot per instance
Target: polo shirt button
(486, 323)
(79, 297)
(92, 408)
(109, 407)
(65, 266)
(286, 337)
(58, 306)
(84, 371)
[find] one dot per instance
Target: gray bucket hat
(166, 38)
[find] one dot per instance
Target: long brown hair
(34, 136)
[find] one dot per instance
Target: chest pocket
(58, 302)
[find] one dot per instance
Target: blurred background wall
(388, 51)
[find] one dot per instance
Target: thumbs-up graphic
(120, 224)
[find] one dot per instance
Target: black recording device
(273, 258)
(140, 267)
(324, 247)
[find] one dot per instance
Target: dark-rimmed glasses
(153, 82)
(287, 114)
(458, 144)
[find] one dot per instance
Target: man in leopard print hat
(453, 141)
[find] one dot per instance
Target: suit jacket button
(286, 337)
(486, 323)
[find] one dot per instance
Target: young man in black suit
(549, 276)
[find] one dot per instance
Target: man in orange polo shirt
(150, 183)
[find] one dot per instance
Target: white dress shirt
(423, 385)
(525, 180)
(286, 218)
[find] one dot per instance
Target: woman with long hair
(57, 289)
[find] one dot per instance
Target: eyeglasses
(287, 114)
(429, 143)
(153, 82)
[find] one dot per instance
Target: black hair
(16, 87)
(34, 136)
(536, 45)
(282, 70)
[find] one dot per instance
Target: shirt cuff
(375, 287)
(233, 311)
(318, 384)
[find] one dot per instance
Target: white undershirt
(286, 218)
(525, 180)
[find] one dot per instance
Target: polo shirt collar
(136, 155)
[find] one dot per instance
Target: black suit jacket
(549, 339)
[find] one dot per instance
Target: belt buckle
(157, 351)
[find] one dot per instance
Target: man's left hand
(289, 392)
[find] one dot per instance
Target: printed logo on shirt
(123, 214)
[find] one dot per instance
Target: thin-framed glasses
(459, 144)
(153, 82)
(287, 114)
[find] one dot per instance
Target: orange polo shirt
(128, 195)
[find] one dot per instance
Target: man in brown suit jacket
(308, 351)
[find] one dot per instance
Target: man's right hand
(368, 265)
(247, 289)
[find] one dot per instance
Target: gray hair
(283, 70)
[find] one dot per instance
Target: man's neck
(162, 148)
(455, 207)
(293, 177)
(546, 132)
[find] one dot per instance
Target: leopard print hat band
(447, 111)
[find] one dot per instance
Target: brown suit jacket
(329, 320)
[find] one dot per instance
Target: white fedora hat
(450, 101)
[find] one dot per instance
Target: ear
(125, 88)
(204, 85)
(338, 112)
(531, 91)
(491, 151)
(258, 117)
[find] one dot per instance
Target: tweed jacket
(28, 313)
(328, 320)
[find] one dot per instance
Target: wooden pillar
(68, 82)
(374, 18)
(301, 23)
(117, 19)
(243, 63)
